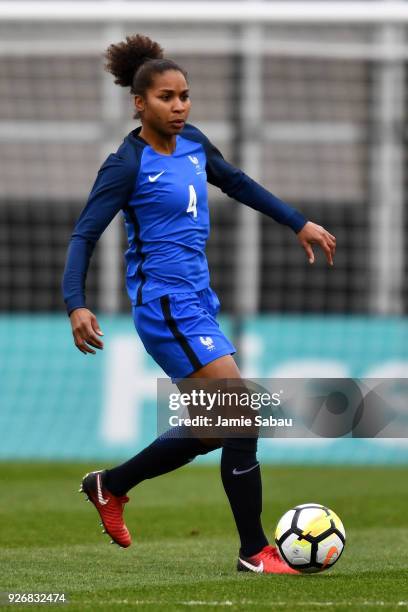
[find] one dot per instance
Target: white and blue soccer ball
(310, 538)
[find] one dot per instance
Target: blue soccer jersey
(163, 199)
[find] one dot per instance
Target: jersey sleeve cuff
(296, 221)
(75, 303)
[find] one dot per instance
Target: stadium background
(311, 101)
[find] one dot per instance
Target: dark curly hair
(134, 63)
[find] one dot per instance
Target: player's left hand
(316, 234)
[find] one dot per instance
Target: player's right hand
(85, 329)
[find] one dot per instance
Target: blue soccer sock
(241, 477)
(168, 452)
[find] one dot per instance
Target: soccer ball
(310, 538)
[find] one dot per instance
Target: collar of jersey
(135, 133)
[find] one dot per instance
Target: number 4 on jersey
(192, 205)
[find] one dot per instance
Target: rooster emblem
(208, 342)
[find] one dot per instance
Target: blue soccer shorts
(180, 331)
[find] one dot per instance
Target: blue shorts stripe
(191, 355)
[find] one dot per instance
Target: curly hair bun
(124, 58)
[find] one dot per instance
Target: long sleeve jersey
(164, 202)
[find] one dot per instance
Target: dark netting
(34, 237)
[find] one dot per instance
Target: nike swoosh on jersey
(255, 568)
(101, 499)
(154, 178)
(238, 472)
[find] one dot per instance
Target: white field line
(271, 604)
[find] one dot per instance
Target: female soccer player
(158, 179)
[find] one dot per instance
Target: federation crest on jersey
(208, 342)
(194, 160)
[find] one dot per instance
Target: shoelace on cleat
(272, 553)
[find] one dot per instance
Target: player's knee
(247, 445)
(209, 444)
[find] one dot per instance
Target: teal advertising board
(57, 403)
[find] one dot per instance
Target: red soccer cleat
(267, 561)
(110, 507)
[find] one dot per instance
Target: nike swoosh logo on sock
(238, 472)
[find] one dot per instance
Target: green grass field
(184, 543)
